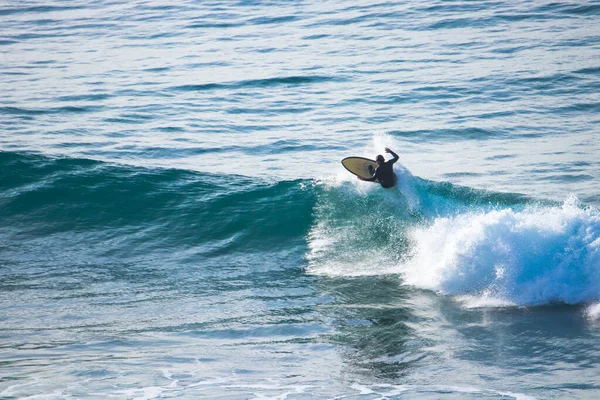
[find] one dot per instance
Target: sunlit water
(175, 221)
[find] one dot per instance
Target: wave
(535, 256)
(256, 83)
(483, 248)
(37, 9)
(44, 111)
(123, 211)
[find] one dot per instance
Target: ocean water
(175, 221)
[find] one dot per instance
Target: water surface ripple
(175, 221)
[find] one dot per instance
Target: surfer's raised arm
(393, 160)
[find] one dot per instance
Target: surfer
(384, 173)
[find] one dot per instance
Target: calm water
(175, 221)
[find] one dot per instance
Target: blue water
(175, 221)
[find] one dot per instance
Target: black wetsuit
(384, 174)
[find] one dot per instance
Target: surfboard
(360, 166)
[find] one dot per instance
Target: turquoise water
(175, 221)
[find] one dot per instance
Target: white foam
(386, 391)
(529, 257)
(483, 301)
(144, 393)
(593, 312)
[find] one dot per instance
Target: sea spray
(535, 256)
(593, 312)
(358, 228)
(488, 249)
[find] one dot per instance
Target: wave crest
(530, 257)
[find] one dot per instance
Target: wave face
(127, 212)
(492, 249)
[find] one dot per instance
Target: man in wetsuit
(384, 174)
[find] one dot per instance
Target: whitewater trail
(457, 241)
(530, 257)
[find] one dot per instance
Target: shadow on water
(373, 323)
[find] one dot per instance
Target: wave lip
(531, 257)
